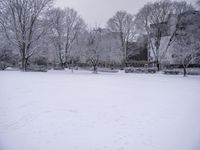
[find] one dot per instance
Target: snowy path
(82, 111)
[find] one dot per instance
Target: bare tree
(178, 7)
(57, 33)
(123, 24)
(93, 52)
(67, 25)
(154, 14)
(153, 17)
(185, 52)
(24, 24)
(187, 40)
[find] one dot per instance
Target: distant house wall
(167, 28)
(166, 57)
(190, 24)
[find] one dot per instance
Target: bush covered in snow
(179, 71)
(140, 70)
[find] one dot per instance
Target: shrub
(172, 72)
(140, 70)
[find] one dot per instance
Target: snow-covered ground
(82, 111)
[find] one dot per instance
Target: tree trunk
(184, 71)
(158, 65)
(95, 69)
(23, 64)
(26, 64)
(72, 67)
(23, 60)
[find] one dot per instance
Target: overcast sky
(97, 12)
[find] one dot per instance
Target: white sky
(97, 12)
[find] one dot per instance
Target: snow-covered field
(83, 111)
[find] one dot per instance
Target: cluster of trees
(34, 32)
(155, 14)
(24, 24)
(187, 40)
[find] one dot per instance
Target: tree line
(35, 32)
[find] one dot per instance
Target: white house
(167, 30)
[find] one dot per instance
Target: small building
(167, 29)
(168, 57)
